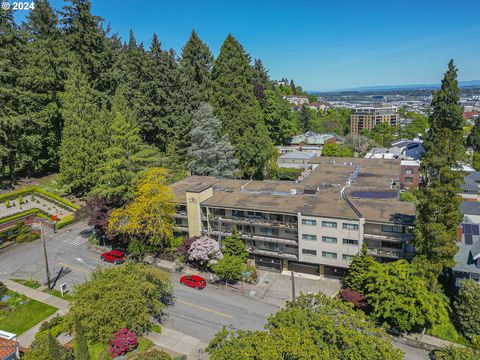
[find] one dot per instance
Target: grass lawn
(97, 349)
(25, 316)
(58, 294)
(34, 284)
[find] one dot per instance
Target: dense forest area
(78, 99)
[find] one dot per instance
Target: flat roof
(318, 194)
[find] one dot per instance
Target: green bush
(67, 220)
(445, 331)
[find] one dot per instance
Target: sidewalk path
(28, 336)
(178, 343)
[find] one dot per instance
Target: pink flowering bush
(122, 342)
(203, 250)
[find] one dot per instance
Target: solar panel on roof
(475, 230)
(468, 239)
(467, 228)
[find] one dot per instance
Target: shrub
(136, 248)
(358, 300)
(122, 342)
(20, 200)
(7, 204)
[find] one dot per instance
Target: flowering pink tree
(204, 250)
(122, 342)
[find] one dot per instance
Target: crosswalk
(76, 241)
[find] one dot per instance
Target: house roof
(299, 155)
(470, 208)
(471, 181)
(7, 347)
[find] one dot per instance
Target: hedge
(12, 195)
(67, 220)
(19, 215)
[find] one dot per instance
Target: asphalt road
(198, 313)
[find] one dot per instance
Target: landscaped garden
(18, 313)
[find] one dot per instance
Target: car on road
(194, 281)
(113, 256)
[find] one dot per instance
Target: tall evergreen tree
(211, 155)
(261, 81)
(85, 134)
(238, 110)
(474, 136)
(438, 211)
(125, 157)
(87, 39)
(196, 63)
(54, 348)
(81, 345)
(293, 87)
(46, 63)
(305, 118)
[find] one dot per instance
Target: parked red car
(113, 256)
(193, 281)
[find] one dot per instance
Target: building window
(309, 237)
(330, 224)
(350, 242)
(350, 226)
(309, 252)
(328, 254)
(392, 228)
(408, 171)
(330, 240)
(309, 222)
(268, 231)
(347, 257)
(409, 180)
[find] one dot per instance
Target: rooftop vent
(293, 191)
(310, 190)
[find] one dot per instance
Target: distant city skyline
(321, 45)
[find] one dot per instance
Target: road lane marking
(76, 241)
(74, 268)
(205, 309)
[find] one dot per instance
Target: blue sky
(321, 44)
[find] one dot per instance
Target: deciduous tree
(117, 297)
(467, 308)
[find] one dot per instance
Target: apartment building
(315, 225)
(369, 117)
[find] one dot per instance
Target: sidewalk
(27, 337)
(177, 343)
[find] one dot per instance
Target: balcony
(181, 228)
(255, 221)
(280, 254)
(397, 238)
(247, 236)
(180, 215)
(385, 252)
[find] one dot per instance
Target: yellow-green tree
(150, 215)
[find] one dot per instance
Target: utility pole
(45, 254)
(293, 287)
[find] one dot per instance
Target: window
(409, 171)
(330, 255)
(220, 212)
(347, 257)
(330, 224)
(309, 252)
(268, 231)
(238, 213)
(309, 237)
(409, 180)
(392, 228)
(309, 222)
(350, 226)
(350, 242)
(330, 240)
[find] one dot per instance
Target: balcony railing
(247, 236)
(254, 250)
(399, 237)
(255, 221)
(385, 252)
(180, 215)
(181, 228)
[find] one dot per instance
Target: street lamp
(39, 226)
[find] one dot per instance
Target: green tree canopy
(211, 154)
(467, 308)
(238, 109)
(333, 149)
(126, 156)
(316, 327)
(234, 246)
(117, 297)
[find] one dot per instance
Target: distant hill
(463, 84)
